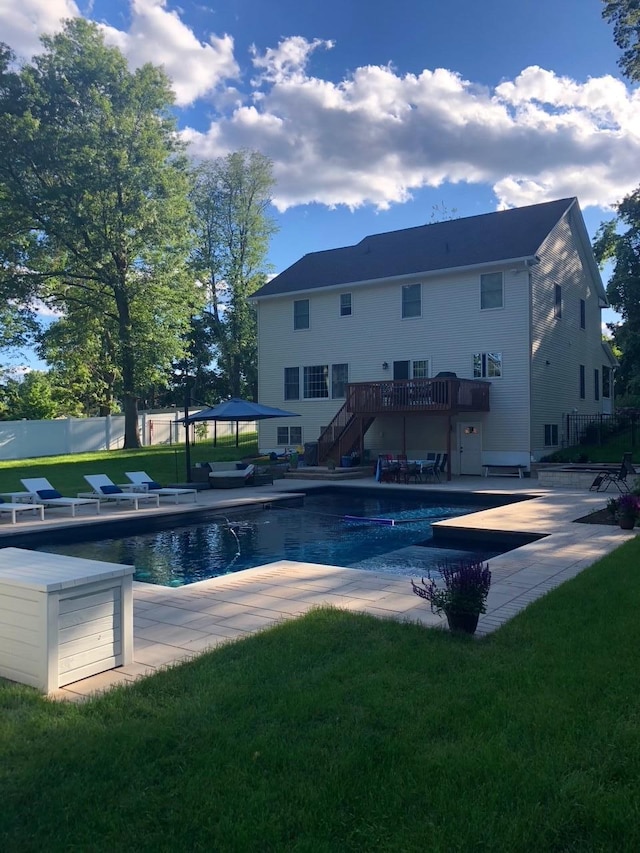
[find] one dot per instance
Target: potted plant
(628, 511)
(461, 595)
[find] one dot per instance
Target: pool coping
(173, 624)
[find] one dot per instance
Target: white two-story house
(474, 337)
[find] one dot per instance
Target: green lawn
(339, 732)
(166, 464)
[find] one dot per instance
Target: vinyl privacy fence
(24, 439)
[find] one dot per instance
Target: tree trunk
(129, 396)
(131, 436)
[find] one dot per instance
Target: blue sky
(375, 114)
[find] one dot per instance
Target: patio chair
(429, 468)
(619, 478)
(142, 479)
(106, 490)
(13, 508)
(44, 493)
(388, 468)
(412, 471)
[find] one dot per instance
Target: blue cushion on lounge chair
(47, 494)
(151, 485)
(2, 500)
(111, 490)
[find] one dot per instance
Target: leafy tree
(34, 397)
(625, 17)
(233, 228)
(612, 241)
(81, 350)
(97, 214)
(623, 290)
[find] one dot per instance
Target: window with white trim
(551, 435)
(301, 314)
(420, 369)
(411, 301)
(316, 381)
(596, 384)
(582, 382)
(288, 436)
(292, 383)
(583, 314)
(491, 290)
(345, 304)
(339, 379)
(487, 365)
(557, 302)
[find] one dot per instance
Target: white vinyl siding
(559, 348)
(376, 334)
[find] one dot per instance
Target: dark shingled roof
(505, 235)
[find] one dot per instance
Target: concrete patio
(174, 624)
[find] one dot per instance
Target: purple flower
(464, 588)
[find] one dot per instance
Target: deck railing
(365, 400)
(417, 395)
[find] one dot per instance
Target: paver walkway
(173, 624)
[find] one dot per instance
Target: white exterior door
(470, 443)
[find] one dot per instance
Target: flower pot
(462, 621)
(627, 522)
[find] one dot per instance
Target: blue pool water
(315, 532)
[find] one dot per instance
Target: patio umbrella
(236, 410)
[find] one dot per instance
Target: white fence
(24, 439)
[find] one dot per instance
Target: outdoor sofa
(223, 475)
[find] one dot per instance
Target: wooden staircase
(343, 435)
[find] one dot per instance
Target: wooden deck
(367, 400)
(440, 396)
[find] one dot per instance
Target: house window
(596, 383)
(582, 382)
(339, 379)
(583, 314)
(551, 435)
(487, 365)
(491, 290)
(345, 304)
(290, 436)
(606, 381)
(411, 300)
(557, 304)
(421, 369)
(301, 314)
(292, 383)
(316, 381)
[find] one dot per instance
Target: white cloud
(24, 22)
(160, 37)
(155, 35)
(287, 61)
(376, 136)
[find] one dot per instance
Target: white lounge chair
(20, 507)
(43, 491)
(105, 489)
(143, 480)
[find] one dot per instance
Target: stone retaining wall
(567, 479)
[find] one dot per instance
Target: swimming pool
(314, 532)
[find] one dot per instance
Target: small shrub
(465, 590)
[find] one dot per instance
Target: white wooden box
(62, 618)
